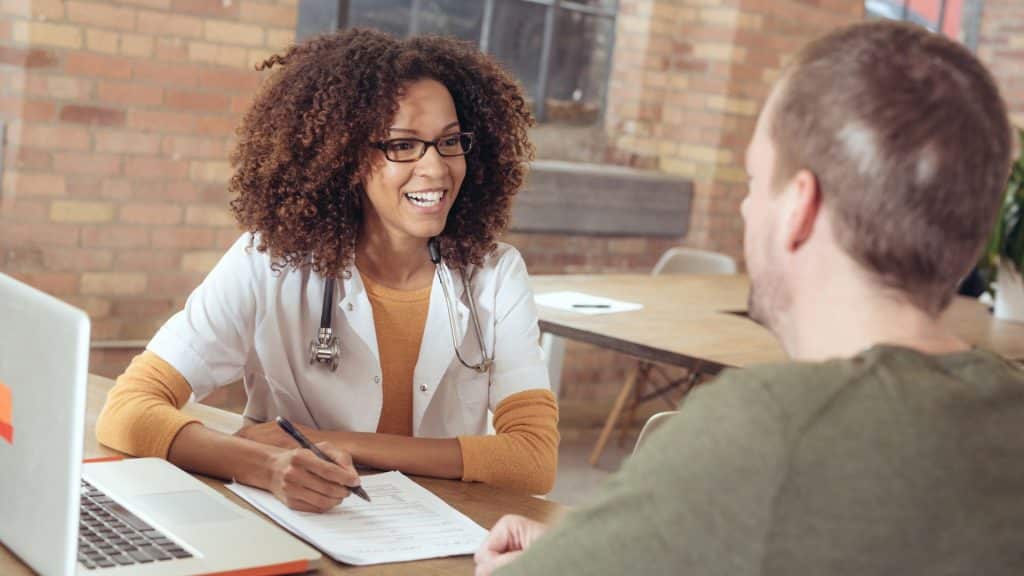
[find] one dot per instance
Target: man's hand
(305, 482)
(272, 434)
(509, 537)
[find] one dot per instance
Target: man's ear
(804, 204)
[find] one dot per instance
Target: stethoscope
(325, 349)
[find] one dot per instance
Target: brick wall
(120, 116)
(121, 112)
(1001, 46)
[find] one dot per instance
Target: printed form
(403, 522)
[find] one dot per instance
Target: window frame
(342, 15)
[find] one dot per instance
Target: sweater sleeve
(142, 413)
(523, 454)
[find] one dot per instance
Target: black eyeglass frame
(465, 139)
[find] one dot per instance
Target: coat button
(423, 387)
(349, 306)
(376, 379)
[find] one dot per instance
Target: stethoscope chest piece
(325, 349)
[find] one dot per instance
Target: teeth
(425, 198)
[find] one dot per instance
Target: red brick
(151, 213)
(53, 283)
(171, 50)
(144, 307)
(35, 184)
(91, 115)
(101, 15)
(29, 159)
(26, 109)
(34, 233)
(24, 210)
(174, 284)
(85, 163)
(187, 147)
(59, 87)
(160, 121)
(115, 236)
(184, 238)
(127, 143)
(281, 16)
(167, 74)
(154, 4)
(155, 169)
(241, 104)
(230, 80)
(162, 24)
(130, 94)
(113, 283)
(51, 137)
(116, 189)
(97, 66)
(216, 125)
(197, 101)
(148, 260)
(106, 329)
(214, 8)
(30, 58)
(77, 259)
(182, 191)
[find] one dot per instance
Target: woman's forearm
(437, 457)
(197, 448)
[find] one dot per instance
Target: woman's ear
(804, 205)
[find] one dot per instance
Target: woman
(358, 152)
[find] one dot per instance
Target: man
(889, 446)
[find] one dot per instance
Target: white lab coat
(246, 321)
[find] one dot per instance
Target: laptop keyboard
(109, 535)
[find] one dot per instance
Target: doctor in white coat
(368, 301)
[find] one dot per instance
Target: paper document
(403, 522)
(584, 303)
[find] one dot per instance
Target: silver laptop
(134, 516)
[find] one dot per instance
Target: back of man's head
(910, 142)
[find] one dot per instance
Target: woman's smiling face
(412, 199)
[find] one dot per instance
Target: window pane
(517, 36)
(607, 4)
(579, 67)
(459, 18)
(391, 16)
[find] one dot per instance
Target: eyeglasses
(412, 149)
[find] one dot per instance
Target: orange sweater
(141, 415)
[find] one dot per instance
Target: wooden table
(483, 503)
(700, 318)
(699, 322)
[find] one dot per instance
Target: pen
(591, 306)
(305, 443)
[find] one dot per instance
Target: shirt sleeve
(523, 454)
(518, 359)
(696, 499)
(210, 339)
(142, 413)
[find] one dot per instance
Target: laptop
(130, 516)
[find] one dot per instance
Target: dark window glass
(517, 37)
(579, 67)
(458, 18)
(391, 16)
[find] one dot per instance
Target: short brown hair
(304, 145)
(910, 142)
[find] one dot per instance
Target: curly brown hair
(303, 147)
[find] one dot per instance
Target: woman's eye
(450, 141)
(400, 146)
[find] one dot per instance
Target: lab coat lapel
(436, 351)
(354, 306)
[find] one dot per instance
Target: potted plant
(1003, 259)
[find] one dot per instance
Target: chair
(651, 425)
(678, 260)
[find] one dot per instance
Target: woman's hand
(305, 482)
(509, 537)
(271, 434)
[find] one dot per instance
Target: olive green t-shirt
(892, 462)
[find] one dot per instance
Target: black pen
(591, 305)
(305, 443)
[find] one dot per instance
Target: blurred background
(118, 118)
